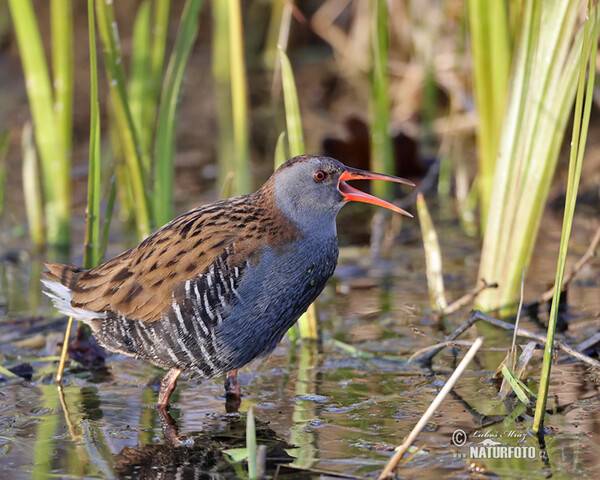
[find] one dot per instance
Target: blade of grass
(32, 189)
(41, 102)
(272, 37)
(239, 99)
(516, 387)
(488, 25)
(307, 323)
(293, 119)
(280, 154)
(251, 443)
(159, 40)
(382, 159)
(110, 205)
(162, 193)
(578, 141)
(7, 373)
(92, 231)
(433, 257)
(61, 19)
(107, 29)
(139, 84)
(221, 70)
(159, 31)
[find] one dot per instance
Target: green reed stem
(160, 29)
(110, 206)
(543, 86)
(251, 443)
(91, 255)
(578, 141)
(61, 19)
(488, 25)
(221, 74)
(293, 119)
(164, 167)
(32, 188)
(54, 163)
(107, 28)
(239, 100)
(280, 151)
(139, 85)
(382, 158)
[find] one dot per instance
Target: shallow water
(316, 407)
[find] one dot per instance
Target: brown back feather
(140, 282)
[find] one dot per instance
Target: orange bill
(352, 194)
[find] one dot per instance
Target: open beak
(352, 194)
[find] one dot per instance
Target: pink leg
(167, 387)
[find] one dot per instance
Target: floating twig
(541, 339)
(389, 468)
(466, 299)
(476, 316)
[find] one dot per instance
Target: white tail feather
(61, 297)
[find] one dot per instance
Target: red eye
(320, 176)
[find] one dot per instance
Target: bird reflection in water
(193, 455)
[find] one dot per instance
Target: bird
(220, 285)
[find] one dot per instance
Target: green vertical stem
(382, 159)
(280, 154)
(488, 25)
(32, 188)
(107, 29)
(221, 70)
(41, 102)
(159, 38)
(110, 205)
(139, 85)
(61, 19)
(91, 255)
(251, 446)
(160, 29)
(293, 119)
(578, 141)
(164, 168)
(239, 99)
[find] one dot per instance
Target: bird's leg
(233, 394)
(167, 386)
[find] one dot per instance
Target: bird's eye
(320, 175)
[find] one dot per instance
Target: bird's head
(311, 189)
